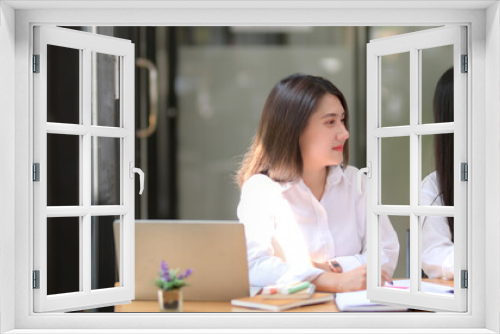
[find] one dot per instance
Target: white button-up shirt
(438, 253)
(287, 228)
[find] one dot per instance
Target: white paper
(426, 286)
(358, 302)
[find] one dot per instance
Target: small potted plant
(170, 284)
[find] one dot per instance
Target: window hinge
(36, 63)
(465, 279)
(464, 171)
(465, 63)
(36, 172)
(36, 279)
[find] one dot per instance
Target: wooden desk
(217, 307)
(223, 307)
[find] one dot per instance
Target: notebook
(358, 302)
(214, 250)
(277, 305)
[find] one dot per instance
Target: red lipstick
(339, 148)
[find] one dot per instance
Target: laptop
(214, 250)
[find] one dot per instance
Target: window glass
(63, 255)
(63, 79)
(401, 225)
(63, 170)
(395, 89)
(437, 187)
(105, 273)
(435, 62)
(106, 155)
(105, 89)
(395, 170)
(437, 255)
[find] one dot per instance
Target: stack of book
(283, 297)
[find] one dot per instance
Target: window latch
(141, 175)
(366, 170)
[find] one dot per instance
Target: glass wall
(224, 77)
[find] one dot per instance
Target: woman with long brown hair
(304, 219)
(437, 189)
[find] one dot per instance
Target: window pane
(437, 254)
(63, 85)
(395, 89)
(437, 190)
(437, 84)
(104, 260)
(63, 170)
(105, 89)
(105, 171)
(63, 255)
(401, 225)
(395, 171)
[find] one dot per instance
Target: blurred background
(199, 93)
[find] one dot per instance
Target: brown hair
(275, 150)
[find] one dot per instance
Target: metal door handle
(153, 97)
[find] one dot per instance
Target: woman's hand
(357, 279)
(385, 277)
(322, 265)
(353, 280)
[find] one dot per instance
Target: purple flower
(186, 274)
(164, 271)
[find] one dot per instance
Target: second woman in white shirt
(303, 217)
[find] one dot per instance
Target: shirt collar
(335, 175)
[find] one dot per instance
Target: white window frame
(413, 44)
(86, 43)
(484, 213)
